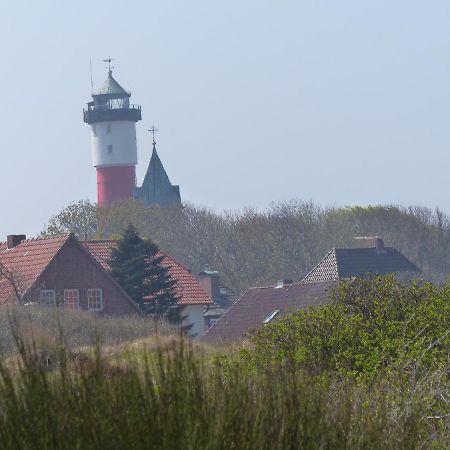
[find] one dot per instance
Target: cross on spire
(110, 68)
(153, 130)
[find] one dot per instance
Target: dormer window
(270, 316)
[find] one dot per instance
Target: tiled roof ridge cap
(67, 237)
(41, 238)
(100, 241)
(366, 248)
(295, 283)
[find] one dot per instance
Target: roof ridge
(42, 238)
(101, 240)
(68, 237)
(365, 248)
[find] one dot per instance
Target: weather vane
(109, 61)
(153, 130)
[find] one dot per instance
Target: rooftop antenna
(153, 130)
(110, 68)
(90, 70)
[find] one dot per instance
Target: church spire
(153, 130)
(156, 188)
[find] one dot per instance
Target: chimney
(209, 281)
(372, 242)
(379, 244)
(13, 240)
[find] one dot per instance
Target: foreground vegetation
(173, 397)
(369, 371)
(43, 326)
(256, 248)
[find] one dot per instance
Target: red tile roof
(189, 289)
(257, 304)
(26, 262)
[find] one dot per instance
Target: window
(109, 148)
(48, 297)
(95, 299)
(270, 316)
(108, 129)
(71, 298)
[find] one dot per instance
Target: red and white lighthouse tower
(113, 131)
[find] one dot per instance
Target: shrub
(373, 326)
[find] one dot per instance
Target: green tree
(137, 265)
(80, 218)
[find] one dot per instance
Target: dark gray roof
(156, 188)
(340, 263)
(257, 304)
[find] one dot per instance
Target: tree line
(257, 247)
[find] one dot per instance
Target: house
(59, 271)
(373, 258)
(221, 296)
(259, 306)
(191, 294)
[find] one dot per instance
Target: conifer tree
(136, 264)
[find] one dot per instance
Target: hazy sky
(339, 102)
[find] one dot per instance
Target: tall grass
(42, 326)
(174, 396)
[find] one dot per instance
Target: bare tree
(11, 284)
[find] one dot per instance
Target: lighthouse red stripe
(115, 183)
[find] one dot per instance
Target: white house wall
(195, 317)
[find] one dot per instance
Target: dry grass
(45, 327)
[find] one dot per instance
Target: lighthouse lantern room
(112, 120)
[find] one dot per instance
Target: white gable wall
(195, 317)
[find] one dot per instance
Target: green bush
(373, 327)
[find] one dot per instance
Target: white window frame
(67, 293)
(44, 297)
(96, 297)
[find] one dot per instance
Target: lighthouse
(112, 120)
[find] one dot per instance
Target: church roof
(111, 87)
(156, 188)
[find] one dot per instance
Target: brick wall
(74, 268)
